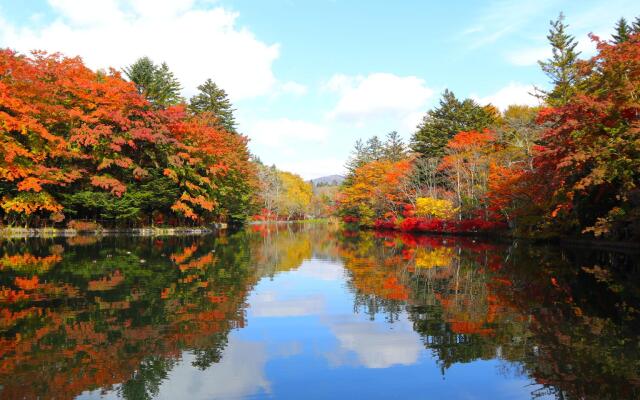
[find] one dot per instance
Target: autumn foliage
(79, 144)
(566, 168)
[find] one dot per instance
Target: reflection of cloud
(267, 304)
(374, 344)
(322, 270)
(240, 373)
(288, 349)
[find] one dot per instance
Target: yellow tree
(295, 196)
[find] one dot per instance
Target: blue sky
(308, 78)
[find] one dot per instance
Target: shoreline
(503, 236)
(13, 232)
(509, 236)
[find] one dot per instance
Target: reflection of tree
(583, 318)
(117, 311)
(212, 354)
(79, 315)
(283, 247)
(573, 330)
(145, 381)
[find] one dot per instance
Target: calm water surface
(309, 312)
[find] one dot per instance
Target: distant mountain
(330, 180)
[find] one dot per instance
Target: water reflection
(282, 311)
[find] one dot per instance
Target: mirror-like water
(311, 312)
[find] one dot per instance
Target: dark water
(307, 312)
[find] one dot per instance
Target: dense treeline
(286, 196)
(568, 167)
(83, 145)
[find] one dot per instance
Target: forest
(87, 149)
(570, 167)
(84, 148)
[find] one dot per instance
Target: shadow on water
(116, 315)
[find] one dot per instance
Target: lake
(313, 312)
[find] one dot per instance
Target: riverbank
(16, 232)
(296, 221)
(506, 235)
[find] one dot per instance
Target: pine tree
(635, 26)
(358, 157)
(167, 87)
(156, 83)
(394, 148)
(141, 73)
(445, 121)
(561, 67)
(374, 149)
(623, 31)
(214, 99)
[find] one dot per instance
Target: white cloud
(275, 132)
(339, 83)
(197, 43)
(595, 18)
(377, 95)
(513, 93)
(295, 88)
(529, 56)
(373, 343)
(314, 168)
(501, 18)
(412, 120)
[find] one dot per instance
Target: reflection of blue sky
(233, 377)
(322, 270)
(339, 354)
(240, 373)
(302, 340)
(269, 304)
(373, 343)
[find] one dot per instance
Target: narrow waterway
(309, 311)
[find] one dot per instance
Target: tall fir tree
(375, 149)
(394, 148)
(156, 83)
(357, 158)
(211, 98)
(635, 26)
(623, 31)
(442, 123)
(561, 68)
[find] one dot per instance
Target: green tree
(635, 26)
(375, 149)
(394, 148)
(371, 150)
(211, 98)
(561, 67)
(156, 83)
(623, 31)
(445, 121)
(357, 158)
